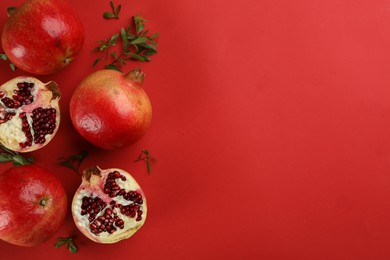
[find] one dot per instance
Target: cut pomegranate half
(29, 113)
(109, 205)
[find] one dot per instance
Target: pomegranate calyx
(136, 75)
(53, 87)
(91, 171)
(11, 10)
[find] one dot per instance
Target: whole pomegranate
(29, 113)
(33, 205)
(109, 205)
(42, 36)
(111, 109)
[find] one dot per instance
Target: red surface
(271, 128)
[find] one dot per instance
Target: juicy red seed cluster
(44, 122)
(22, 96)
(92, 206)
(26, 130)
(109, 221)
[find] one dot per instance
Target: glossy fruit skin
(111, 109)
(33, 205)
(42, 37)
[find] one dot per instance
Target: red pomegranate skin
(43, 36)
(33, 205)
(111, 109)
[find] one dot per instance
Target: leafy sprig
(5, 58)
(137, 44)
(145, 156)
(115, 12)
(73, 161)
(68, 242)
(8, 155)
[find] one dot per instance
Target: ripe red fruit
(29, 113)
(110, 109)
(42, 36)
(33, 205)
(109, 205)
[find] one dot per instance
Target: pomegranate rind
(92, 185)
(47, 95)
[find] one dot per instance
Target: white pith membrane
(45, 96)
(92, 186)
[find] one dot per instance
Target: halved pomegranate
(29, 113)
(109, 205)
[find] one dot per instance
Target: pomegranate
(29, 113)
(33, 205)
(111, 109)
(109, 205)
(42, 36)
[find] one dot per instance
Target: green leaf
(155, 35)
(138, 40)
(61, 242)
(96, 61)
(136, 56)
(148, 46)
(72, 247)
(112, 67)
(12, 66)
(108, 15)
(149, 52)
(5, 158)
(124, 37)
(117, 11)
(3, 56)
(73, 161)
(114, 38)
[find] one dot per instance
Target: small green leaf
(61, 242)
(117, 11)
(124, 37)
(114, 38)
(12, 66)
(72, 247)
(96, 61)
(108, 15)
(138, 40)
(112, 6)
(3, 56)
(155, 35)
(5, 157)
(73, 161)
(149, 52)
(112, 67)
(136, 56)
(148, 46)
(113, 54)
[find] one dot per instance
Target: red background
(271, 129)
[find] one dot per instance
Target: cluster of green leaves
(115, 12)
(5, 58)
(73, 161)
(145, 156)
(7, 156)
(136, 42)
(68, 242)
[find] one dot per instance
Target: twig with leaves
(5, 58)
(145, 156)
(115, 12)
(73, 161)
(136, 42)
(7, 155)
(68, 242)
